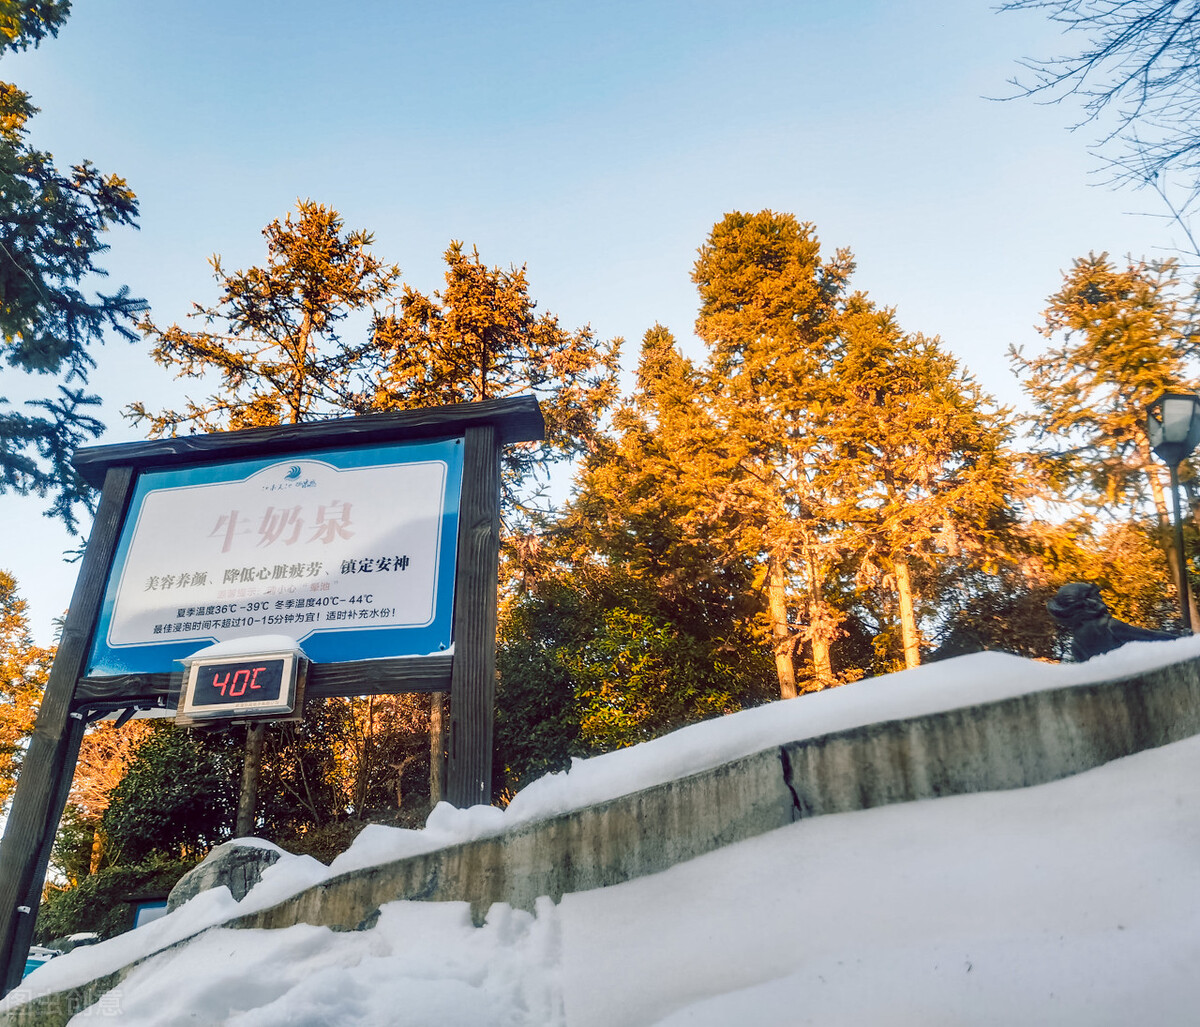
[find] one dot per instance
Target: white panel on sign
(358, 547)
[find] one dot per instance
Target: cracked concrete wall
(1026, 740)
(1013, 743)
(605, 844)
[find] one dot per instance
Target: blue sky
(595, 143)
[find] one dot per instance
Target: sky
(1071, 902)
(596, 144)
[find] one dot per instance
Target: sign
(350, 552)
(224, 687)
(282, 517)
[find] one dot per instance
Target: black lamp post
(1173, 425)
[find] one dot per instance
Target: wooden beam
(325, 680)
(473, 684)
(49, 761)
(518, 419)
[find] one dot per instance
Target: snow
(250, 645)
(965, 681)
(1066, 903)
(256, 645)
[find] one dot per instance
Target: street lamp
(1173, 425)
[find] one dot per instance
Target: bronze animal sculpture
(1079, 609)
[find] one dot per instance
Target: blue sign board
(349, 552)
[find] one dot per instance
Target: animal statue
(1079, 609)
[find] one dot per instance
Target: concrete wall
(1017, 742)
(1009, 744)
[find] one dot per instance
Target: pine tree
(278, 356)
(52, 226)
(482, 338)
(918, 472)
(655, 615)
(1121, 336)
(278, 353)
(769, 305)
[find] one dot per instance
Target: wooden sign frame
(71, 699)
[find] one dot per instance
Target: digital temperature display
(246, 687)
(223, 683)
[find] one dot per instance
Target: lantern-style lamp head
(1173, 425)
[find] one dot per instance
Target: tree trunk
(822, 665)
(363, 777)
(251, 773)
(1164, 522)
(908, 619)
(437, 759)
(785, 668)
(819, 636)
(97, 851)
(399, 769)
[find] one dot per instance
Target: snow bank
(979, 678)
(965, 681)
(1067, 903)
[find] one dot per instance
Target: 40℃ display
(266, 685)
(350, 552)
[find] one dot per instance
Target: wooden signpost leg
(49, 762)
(473, 680)
(66, 758)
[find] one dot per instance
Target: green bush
(100, 902)
(178, 798)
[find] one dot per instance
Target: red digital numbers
(235, 683)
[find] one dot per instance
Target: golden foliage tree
(769, 308)
(24, 668)
(1120, 336)
(919, 472)
(481, 337)
(272, 336)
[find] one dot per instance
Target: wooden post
(49, 763)
(473, 679)
(251, 773)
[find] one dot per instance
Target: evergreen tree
(24, 668)
(648, 616)
(482, 338)
(277, 351)
(769, 307)
(918, 473)
(1121, 336)
(538, 717)
(280, 360)
(177, 799)
(52, 226)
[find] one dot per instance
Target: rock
(235, 864)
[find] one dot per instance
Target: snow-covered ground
(1069, 903)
